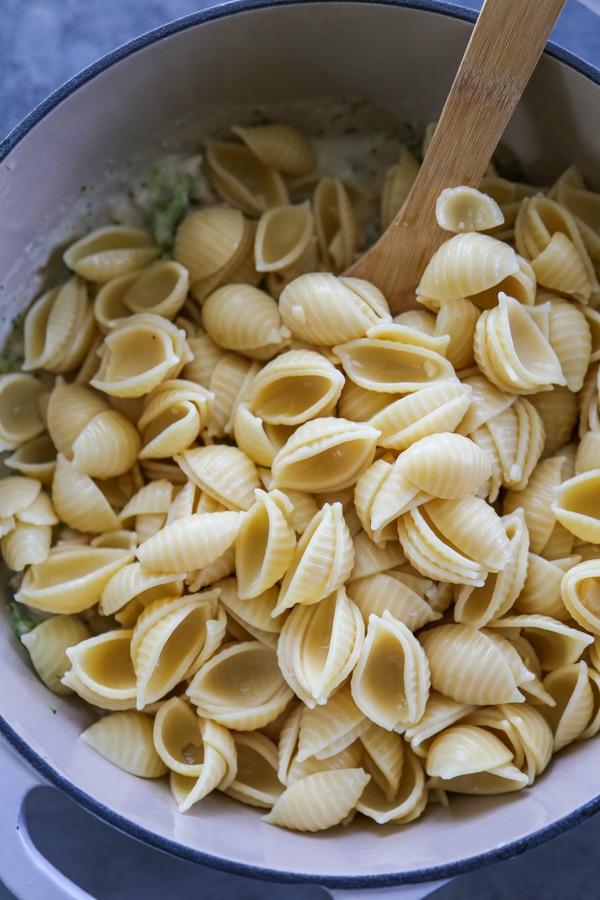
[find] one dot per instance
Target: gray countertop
(42, 44)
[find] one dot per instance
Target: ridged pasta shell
(280, 146)
(578, 590)
(434, 408)
(331, 727)
(457, 319)
(390, 682)
(326, 453)
(383, 757)
(79, 501)
(190, 542)
(138, 353)
(108, 446)
(459, 541)
(324, 310)
(47, 644)
(360, 405)
(319, 646)
(175, 413)
(282, 236)
(322, 561)
(161, 289)
(474, 666)
(219, 766)
(229, 382)
(380, 363)
(319, 801)
(20, 418)
(70, 579)
(254, 615)
(409, 799)
(569, 718)
(445, 465)
(59, 328)
(242, 180)
(468, 758)
(110, 251)
(571, 340)
(25, 545)
(265, 544)
(211, 242)
(575, 505)
(440, 712)
(34, 459)
(296, 386)
(401, 593)
(466, 265)
(17, 493)
(369, 558)
(512, 351)
(134, 582)
(479, 605)
(541, 592)
(240, 687)
(460, 209)
(256, 782)
(536, 500)
(71, 407)
(179, 739)
(245, 319)
(125, 739)
(555, 643)
(103, 664)
(335, 224)
(109, 302)
(72, 681)
(223, 472)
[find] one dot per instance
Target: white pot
(156, 93)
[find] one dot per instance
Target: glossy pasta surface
(331, 563)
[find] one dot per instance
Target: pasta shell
(109, 302)
(324, 310)
(161, 289)
(319, 646)
(34, 459)
(466, 265)
(71, 407)
(20, 419)
(229, 383)
(322, 560)
(211, 242)
(392, 657)
(409, 800)
(487, 401)
(174, 414)
(400, 593)
(536, 500)
(440, 713)
(398, 182)
(59, 328)
(70, 579)
(108, 446)
(242, 180)
(445, 465)
(138, 353)
(47, 644)
(369, 558)
(280, 146)
(574, 707)
(283, 236)
(463, 208)
(296, 386)
(319, 801)
(383, 756)
(457, 319)
(265, 544)
(79, 501)
(251, 436)
(578, 589)
(331, 727)
(575, 505)
(125, 739)
(179, 737)
(554, 643)
(434, 408)
(240, 687)
(219, 767)
(223, 472)
(133, 582)
(541, 592)
(103, 664)
(25, 545)
(467, 757)
(256, 782)
(335, 224)
(474, 666)
(110, 251)
(254, 615)
(189, 543)
(327, 453)
(245, 319)
(360, 404)
(571, 340)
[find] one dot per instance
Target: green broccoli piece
(167, 211)
(21, 620)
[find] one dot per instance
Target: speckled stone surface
(42, 44)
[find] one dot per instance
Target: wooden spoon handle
(504, 48)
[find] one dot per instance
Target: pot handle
(23, 869)
(399, 892)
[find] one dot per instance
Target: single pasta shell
(71, 407)
(473, 667)
(331, 727)
(133, 581)
(325, 310)
(555, 643)
(464, 750)
(571, 338)
(25, 545)
(282, 236)
(280, 146)
(223, 472)
(108, 446)
(440, 713)
(109, 302)
(47, 644)
(392, 657)
(434, 408)
(467, 264)
(240, 687)
(229, 383)
(335, 224)
(20, 419)
(174, 414)
(570, 716)
(474, 527)
(265, 544)
(162, 289)
(125, 739)
(579, 590)
(34, 459)
(402, 594)
(256, 781)
(58, 328)
(70, 579)
(110, 251)
(575, 505)
(295, 386)
(463, 208)
(189, 543)
(327, 453)
(208, 241)
(322, 561)
(245, 319)
(319, 801)
(17, 493)
(103, 664)
(319, 646)
(445, 465)
(409, 799)
(392, 366)
(79, 501)
(242, 180)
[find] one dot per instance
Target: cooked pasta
(326, 561)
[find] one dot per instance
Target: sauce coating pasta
(326, 561)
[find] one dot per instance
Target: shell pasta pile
(326, 561)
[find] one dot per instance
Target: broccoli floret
(21, 620)
(167, 211)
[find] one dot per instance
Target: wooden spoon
(505, 46)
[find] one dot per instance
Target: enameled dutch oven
(158, 93)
